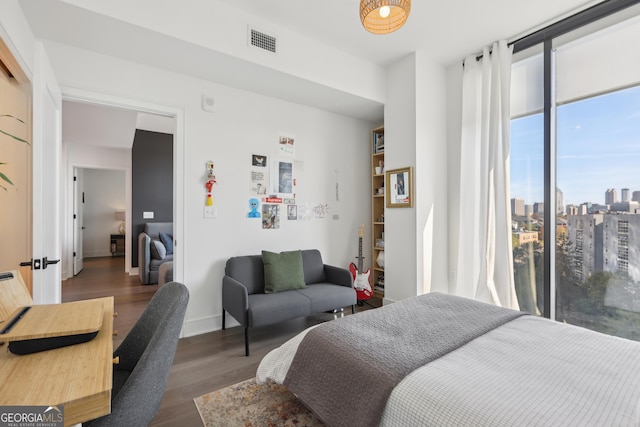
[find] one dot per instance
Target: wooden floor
(203, 363)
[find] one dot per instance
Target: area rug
(248, 404)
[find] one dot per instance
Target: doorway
(99, 201)
(98, 136)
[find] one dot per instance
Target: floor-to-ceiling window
(575, 144)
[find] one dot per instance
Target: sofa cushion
(154, 265)
(283, 271)
(158, 251)
(266, 309)
(167, 241)
(327, 296)
(153, 229)
(313, 266)
(247, 270)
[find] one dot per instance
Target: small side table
(117, 245)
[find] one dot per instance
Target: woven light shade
(374, 22)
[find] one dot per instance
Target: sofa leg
(224, 313)
(353, 311)
(246, 341)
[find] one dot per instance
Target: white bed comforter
(528, 372)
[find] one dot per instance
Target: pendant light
(384, 16)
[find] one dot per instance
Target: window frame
(545, 37)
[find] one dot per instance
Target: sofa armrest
(235, 299)
(144, 257)
(338, 276)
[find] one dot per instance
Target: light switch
(210, 212)
(147, 215)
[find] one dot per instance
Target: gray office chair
(146, 356)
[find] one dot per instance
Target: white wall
(416, 240)
(244, 124)
(104, 193)
(454, 126)
(400, 274)
(432, 185)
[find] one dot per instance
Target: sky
(598, 147)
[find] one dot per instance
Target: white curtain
(485, 260)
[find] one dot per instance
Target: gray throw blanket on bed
(345, 370)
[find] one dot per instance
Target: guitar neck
(360, 255)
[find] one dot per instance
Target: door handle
(46, 262)
(33, 263)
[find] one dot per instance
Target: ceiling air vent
(262, 41)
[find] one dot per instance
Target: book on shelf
(378, 143)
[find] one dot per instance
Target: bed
(442, 360)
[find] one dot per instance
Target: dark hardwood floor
(202, 363)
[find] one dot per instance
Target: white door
(78, 227)
(47, 150)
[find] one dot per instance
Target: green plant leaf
(14, 137)
(5, 178)
(13, 117)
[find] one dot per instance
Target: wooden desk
(13, 294)
(78, 377)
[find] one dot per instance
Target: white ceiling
(446, 31)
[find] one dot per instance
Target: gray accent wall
(151, 181)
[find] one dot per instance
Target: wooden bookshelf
(377, 209)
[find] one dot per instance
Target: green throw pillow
(283, 271)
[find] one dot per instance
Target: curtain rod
(570, 23)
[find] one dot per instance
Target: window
(574, 148)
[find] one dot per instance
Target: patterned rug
(248, 404)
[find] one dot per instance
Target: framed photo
(399, 185)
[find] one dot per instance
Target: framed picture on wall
(399, 186)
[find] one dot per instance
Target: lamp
(384, 16)
(121, 216)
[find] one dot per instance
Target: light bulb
(385, 11)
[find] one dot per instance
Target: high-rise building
(624, 194)
(528, 210)
(586, 234)
(517, 207)
(538, 208)
(572, 210)
(559, 201)
(635, 196)
(610, 196)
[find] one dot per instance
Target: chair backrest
(148, 352)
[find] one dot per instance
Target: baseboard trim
(207, 324)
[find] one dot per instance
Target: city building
(538, 208)
(526, 237)
(585, 233)
(610, 196)
(528, 210)
(627, 207)
(517, 207)
(624, 195)
(559, 200)
(635, 196)
(622, 244)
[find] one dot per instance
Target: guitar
(361, 280)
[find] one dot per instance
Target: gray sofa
(243, 292)
(148, 260)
